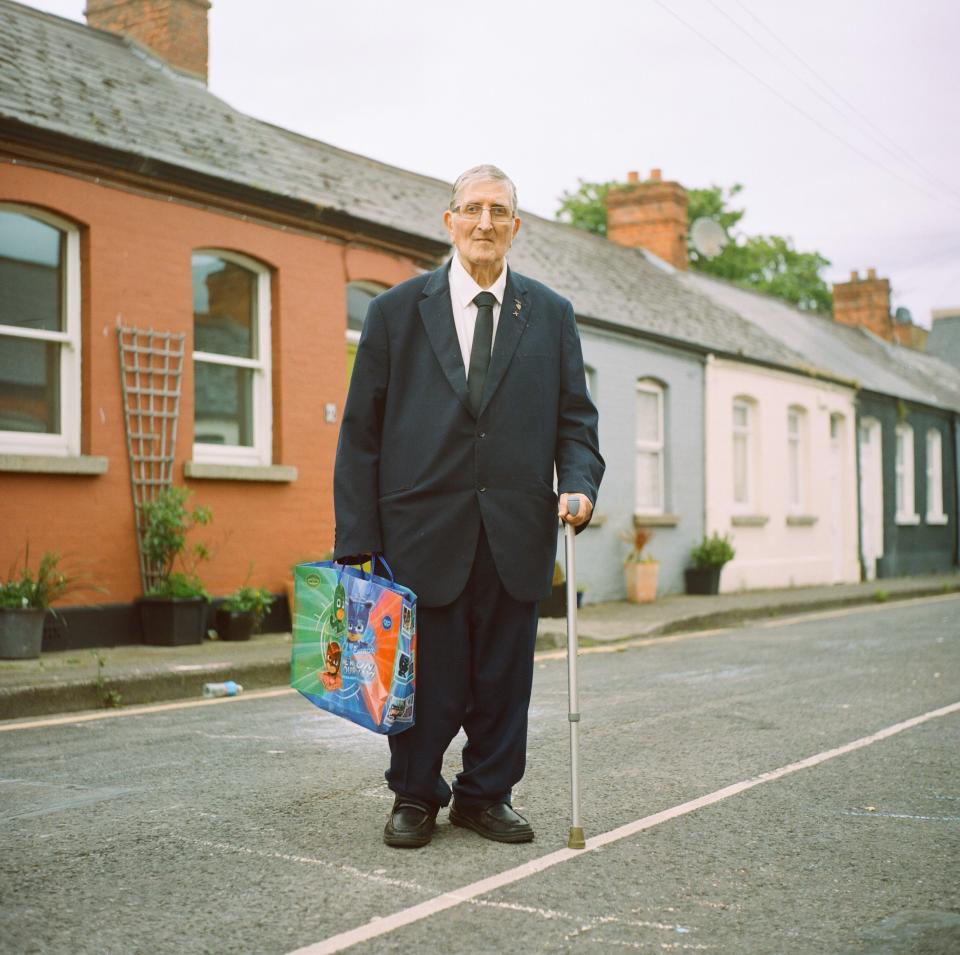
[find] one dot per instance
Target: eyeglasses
(474, 210)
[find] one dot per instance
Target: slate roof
(944, 339)
(68, 78)
(854, 353)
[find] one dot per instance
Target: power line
(878, 135)
(871, 159)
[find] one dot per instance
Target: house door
(871, 496)
(836, 496)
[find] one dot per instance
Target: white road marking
(32, 724)
(307, 860)
(455, 897)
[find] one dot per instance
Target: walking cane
(575, 841)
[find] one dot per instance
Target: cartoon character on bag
(339, 613)
(330, 678)
(358, 615)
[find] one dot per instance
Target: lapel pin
(517, 305)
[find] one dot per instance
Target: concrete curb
(166, 685)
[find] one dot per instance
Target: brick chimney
(864, 303)
(651, 215)
(175, 30)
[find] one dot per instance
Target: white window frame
(935, 512)
(66, 442)
(261, 451)
(748, 432)
(796, 458)
(651, 447)
(904, 487)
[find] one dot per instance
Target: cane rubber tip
(576, 840)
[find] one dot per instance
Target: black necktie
(480, 351)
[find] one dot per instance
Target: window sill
(938, 519)
(83, 464)
(656, 520)
(749, 520)
(801, 520)
(907, 520)
(276, 473)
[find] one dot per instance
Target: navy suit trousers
(474, 670)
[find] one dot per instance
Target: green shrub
(713, 551)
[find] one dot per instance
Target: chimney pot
(864, 303)
(650, 215)
(656, 175)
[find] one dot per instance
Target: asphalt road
(254, 825)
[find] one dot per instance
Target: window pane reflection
(31, 273)
(224, 307)
(223, 404)
(29, 385)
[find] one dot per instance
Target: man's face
(482, 243)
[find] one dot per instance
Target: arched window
(39, 333)
(935, 514)
(359, 297)
(232, 412)
(903, 468)
(650, 493)
(744, 436)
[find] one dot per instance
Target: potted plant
(708, 557)
(174, 609)
(242, 613)
(640, 570)
(24, 600)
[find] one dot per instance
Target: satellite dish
(708, 237)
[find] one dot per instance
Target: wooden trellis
(151, 367)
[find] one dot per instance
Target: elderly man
(467, 391)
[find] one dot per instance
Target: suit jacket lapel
(514, 316)
(436, 313)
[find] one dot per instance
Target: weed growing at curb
(109, 698)
(881, 596)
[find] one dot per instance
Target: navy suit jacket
(416, 471)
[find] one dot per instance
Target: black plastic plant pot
(173, 621)
(234, 624)
(702, 580)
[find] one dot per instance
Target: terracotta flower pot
(641, 580)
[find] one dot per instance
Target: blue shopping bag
(354, 644)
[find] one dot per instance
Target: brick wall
(136, 270)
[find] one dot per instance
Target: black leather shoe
(498, 821)
(410, 824)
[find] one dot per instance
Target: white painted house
(781, 475)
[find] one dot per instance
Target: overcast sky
(841, 118)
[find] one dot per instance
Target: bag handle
(373, 564)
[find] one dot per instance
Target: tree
(768, 263)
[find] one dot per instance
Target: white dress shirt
(463, 290)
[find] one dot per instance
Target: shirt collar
(463, 287)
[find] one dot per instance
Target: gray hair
(484, 173)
